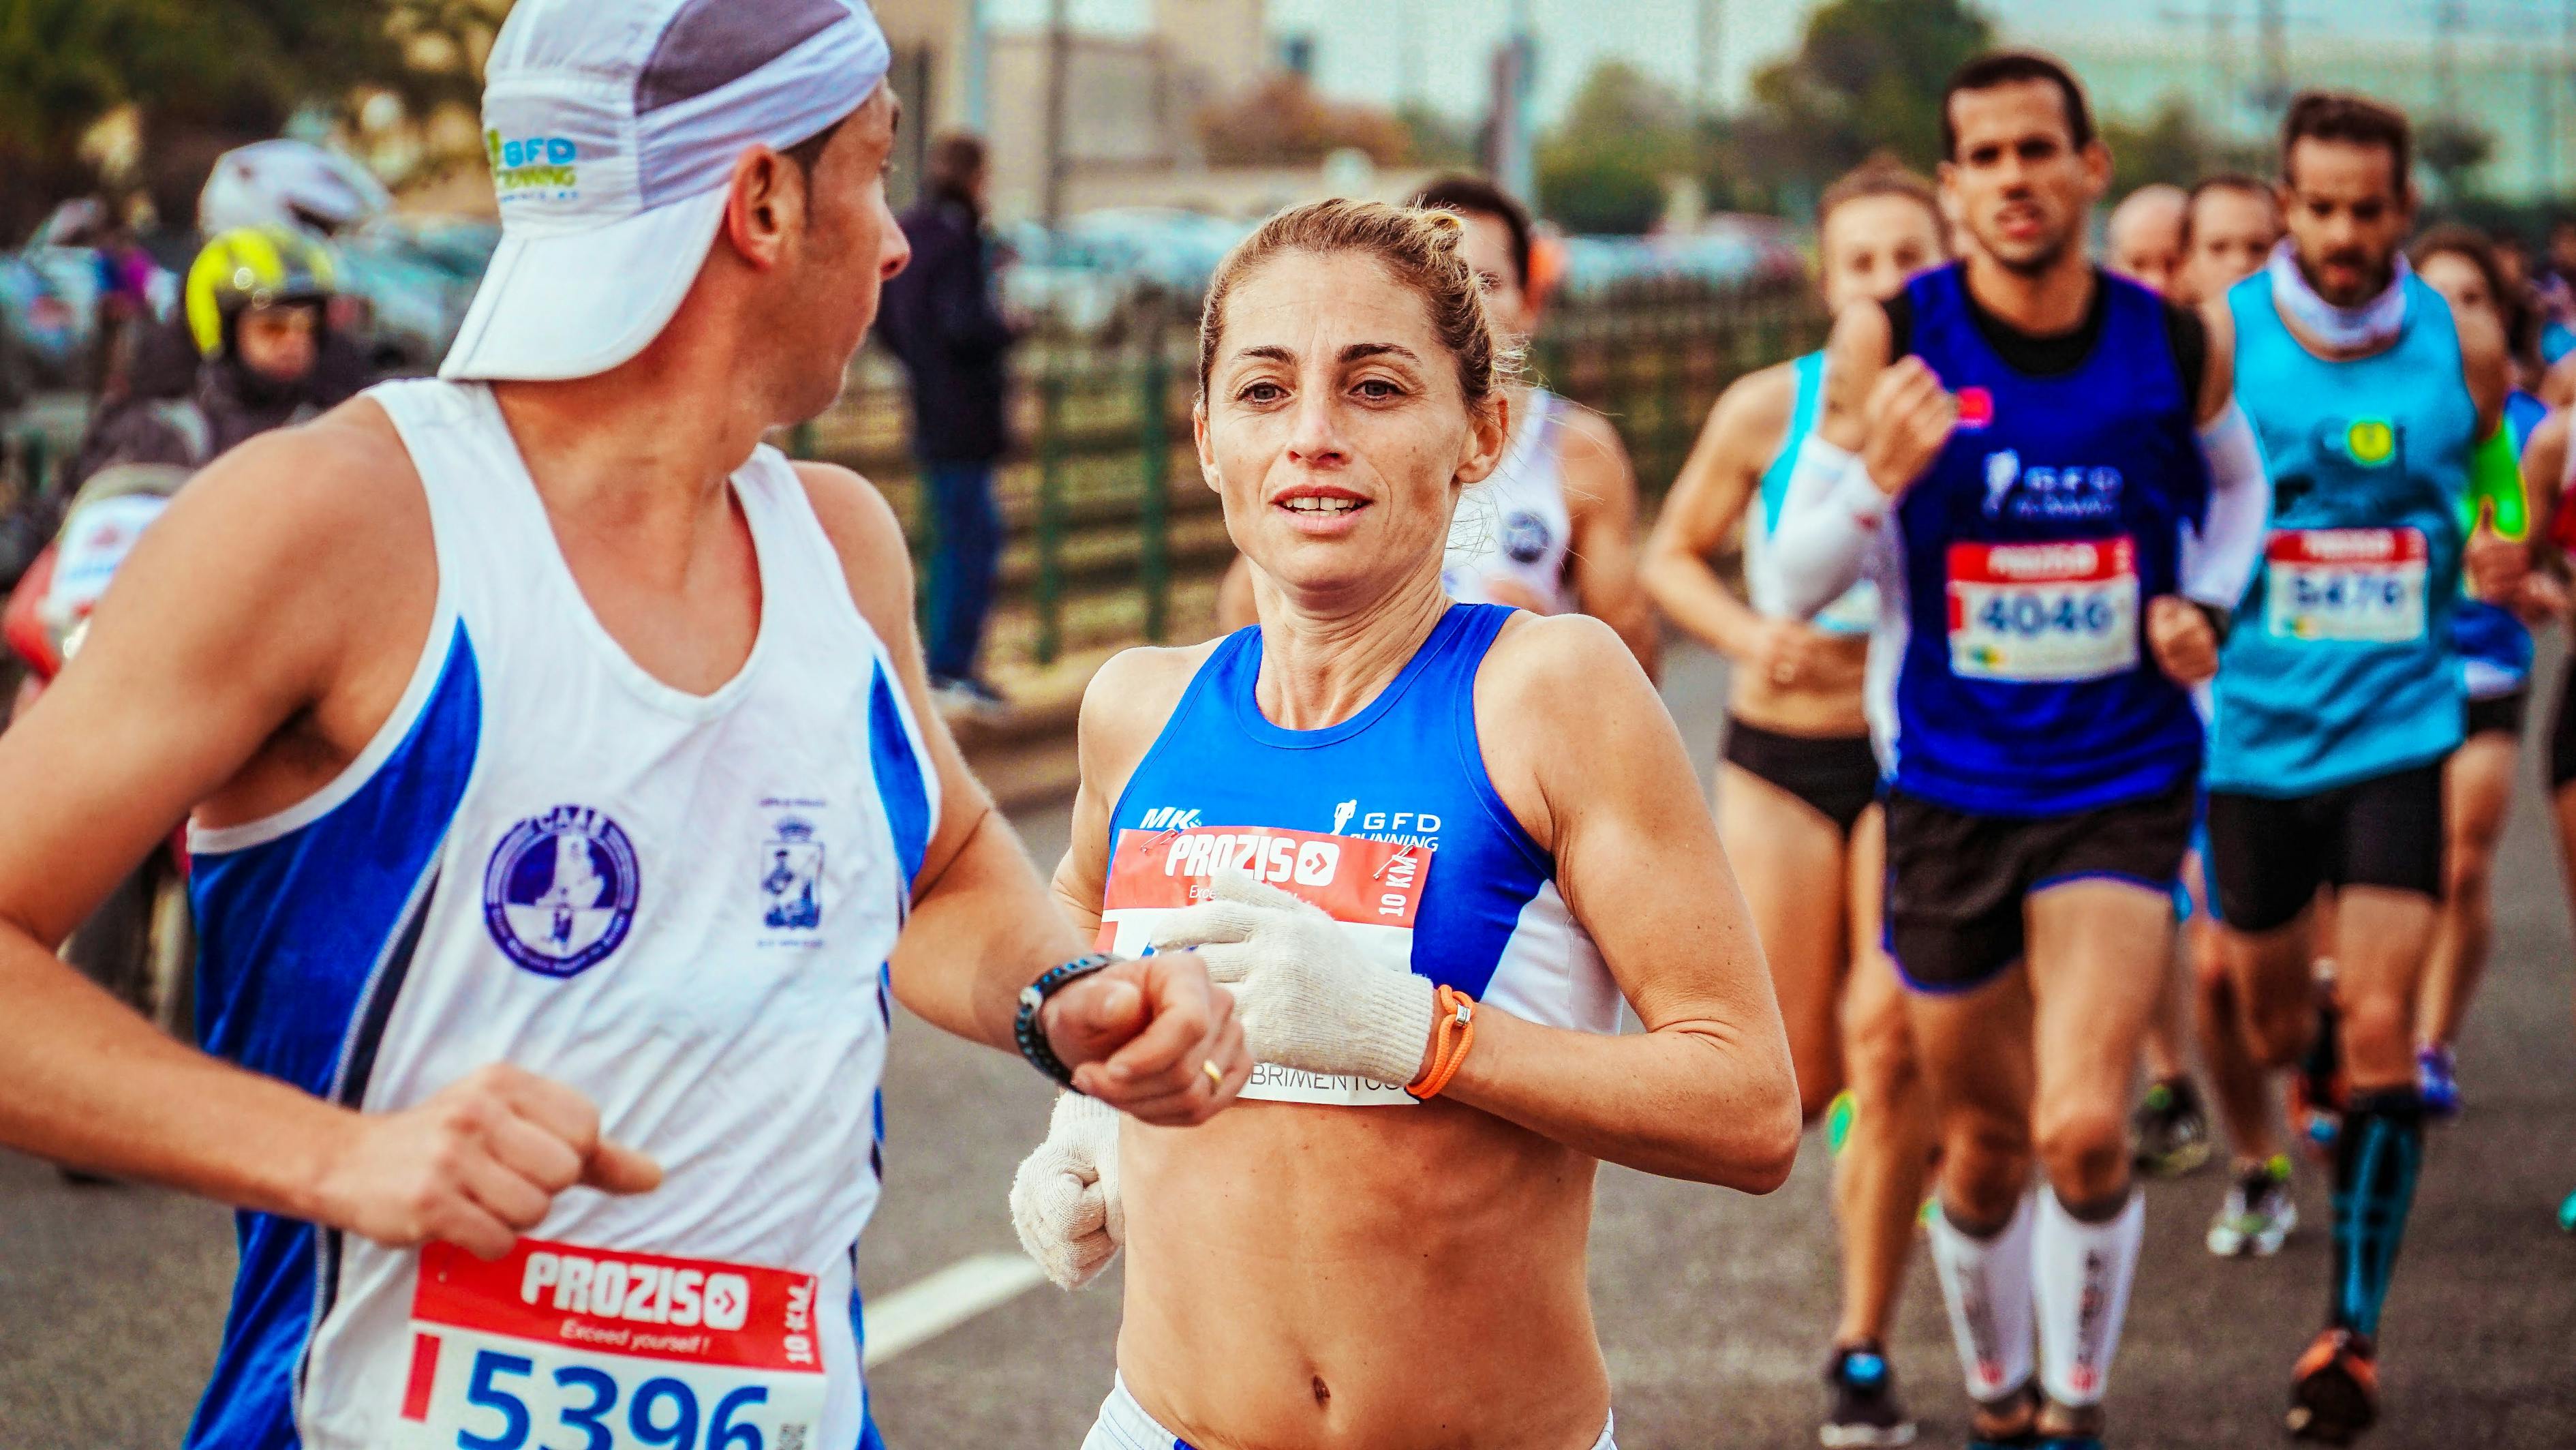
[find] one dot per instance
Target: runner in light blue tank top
(1856, 612)
(2342, 666)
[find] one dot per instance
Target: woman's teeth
(1323, 505)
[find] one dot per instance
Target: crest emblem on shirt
(559, 891)
(791, 877)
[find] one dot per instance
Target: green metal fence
(1113, 536)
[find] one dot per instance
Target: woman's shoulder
(1554, 670)
(1135, 692)
(1760, 403)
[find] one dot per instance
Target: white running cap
(613, 127)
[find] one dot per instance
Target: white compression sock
(1986, 1284)
(2084, 1273)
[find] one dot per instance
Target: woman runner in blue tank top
(1374, 802)
(1798, 781)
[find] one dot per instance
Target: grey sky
(1438, 50)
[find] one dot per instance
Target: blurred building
(2518, 88)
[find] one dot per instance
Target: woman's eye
(1262, 393)
(1378, 390)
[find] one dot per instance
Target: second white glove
(1307, 997)
(1064, 1198)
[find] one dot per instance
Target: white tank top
(679, 905)
(1515, 525)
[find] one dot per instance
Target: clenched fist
(2180, 637)
(1909, 416)
(477, 1165)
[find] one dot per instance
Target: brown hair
(2354, 120)
(1880, 175)
(2236, 181)
(2000, 68)
(2521, 329)
(1418, 249)
(1475, 196)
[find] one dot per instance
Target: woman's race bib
(2037, 613)
(2358, 585)
(1371, 888)
(572, 1348)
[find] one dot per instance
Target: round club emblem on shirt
(559, 892)
(2370, 441)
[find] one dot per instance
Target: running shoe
(2437, 1078)
(966, 695)
(2071, 1442)
(2025, 1438)
(1865, 1410)
(2258, 1214)
(2172, 1129)
(2567, 1213)
(2335, 1394)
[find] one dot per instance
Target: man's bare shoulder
(338, 497)
(864, 532)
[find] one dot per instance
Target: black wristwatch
(1032, 1037)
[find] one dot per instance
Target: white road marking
(923, 1311)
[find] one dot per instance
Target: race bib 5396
(573, 1348)
(2030, 613)
(1371, 888)
(2359, 585)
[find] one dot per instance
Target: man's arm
(1601, 498)
(286, 592)
(983, 925)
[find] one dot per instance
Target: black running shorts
(2269, 855)
(2497, 714)
(1837, 775)
(1956, 881)
(2562, 734)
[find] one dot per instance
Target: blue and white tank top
(1388, 821)
(679, 905)
(2341, 666)
(1856, 612)
(2494, 644)
(2011, 651)
(1516, 525)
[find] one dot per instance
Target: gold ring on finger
(1215, 1074)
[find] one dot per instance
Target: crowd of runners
(2124, 659)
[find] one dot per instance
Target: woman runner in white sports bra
(1795, 790)
(1457, 813)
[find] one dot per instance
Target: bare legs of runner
(1845, 1012)
(2477, 789)
(2036, 1066)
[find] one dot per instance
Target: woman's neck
(1318, 671)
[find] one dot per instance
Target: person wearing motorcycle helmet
(279, 183)
(255, 305)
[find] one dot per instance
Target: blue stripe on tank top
(298, 984)
(895, 764)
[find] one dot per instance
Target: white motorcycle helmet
(288, 183)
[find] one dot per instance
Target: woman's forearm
(1693, 597)
(1698, 1100)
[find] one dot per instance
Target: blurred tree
(1867, 78)
(1437, 140)
(1284, 122)
(1606, 165)
(205, 74)
(2172, 146)
(2454, 150)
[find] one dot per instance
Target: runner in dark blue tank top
(2055, 498)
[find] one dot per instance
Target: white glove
(1307, 998)
(1064, 1198)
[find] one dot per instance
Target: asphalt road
(1713, 1306)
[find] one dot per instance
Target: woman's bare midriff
(1395, 1278)
(1832, 710)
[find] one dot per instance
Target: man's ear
(764, 206)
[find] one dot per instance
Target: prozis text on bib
(2044, 613)
(2363, 586)
(1370, 888)
(559, 1345)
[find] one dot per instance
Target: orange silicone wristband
(1457, 1015)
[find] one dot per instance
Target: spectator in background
(2228, 230)
(2145, 235)
(943, 321)
(2554, 290)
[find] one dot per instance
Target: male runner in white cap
(557, 620)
